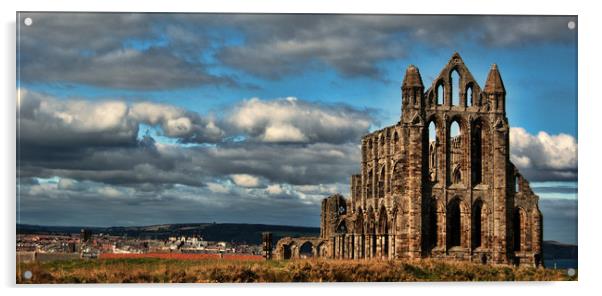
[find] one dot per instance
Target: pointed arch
(480, 146)
(456, 142)
(453, 224)
(341, 228)
(519, 229)
(434, 215)
(471, 99)
(369, 178)
(431, 149)
(359, 221)
(306, 250)
(457, 175)
(397, 178)
(455, 86)
(439, 93)
(383, 221)
(381, 182)
(455, 82)
(383, 230)
(477, 224)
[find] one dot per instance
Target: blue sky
(187, 90)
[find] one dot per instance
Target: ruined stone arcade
(437, 184)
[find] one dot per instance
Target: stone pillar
(335, 246)
(378, 246)
(391, 247)
(414, 190)
(369, 245)
(355, 247)
(502, 206)
(383, 252)
(352, 247)
(266, 238)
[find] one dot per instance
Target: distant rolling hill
(240, 233)
(557, 250)
(230, 232)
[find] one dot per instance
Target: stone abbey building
(437, 184)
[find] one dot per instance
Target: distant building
(85, 235)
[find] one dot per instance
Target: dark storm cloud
(295, 164)
(173, 205)
(177, 50)
(355, 44)
(99, 49)
(298, 164)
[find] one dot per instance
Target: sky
(139, 119)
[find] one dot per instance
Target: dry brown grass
(227, 271)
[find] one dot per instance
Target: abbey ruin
(439, 183)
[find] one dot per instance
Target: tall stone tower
(465, 173)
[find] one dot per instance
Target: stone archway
(306, 250)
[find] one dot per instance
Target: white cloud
(109, 191)
(175, 122)
(43, 189)
(283, 133)
(245, 180)
(544, 154)
(48, 118)
(543, 150)
(217, 187)
(274, 189)
(293, 120)
(66, 184)
(83, 116)
(154, 113)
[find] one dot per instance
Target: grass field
(157, 270)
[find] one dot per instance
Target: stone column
(414, 190)
(502, 206)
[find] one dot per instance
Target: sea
(561, 263)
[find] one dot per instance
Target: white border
(589, 122)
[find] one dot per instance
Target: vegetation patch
(157, 270)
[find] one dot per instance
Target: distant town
(31, 247)
(190, 240)
(183, 241)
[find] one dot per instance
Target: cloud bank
(166, 51)
(270, 156)
(544, 156)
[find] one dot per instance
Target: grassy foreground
(151, 270)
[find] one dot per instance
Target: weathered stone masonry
(443, 196)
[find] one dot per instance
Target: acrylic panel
(202, 148)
